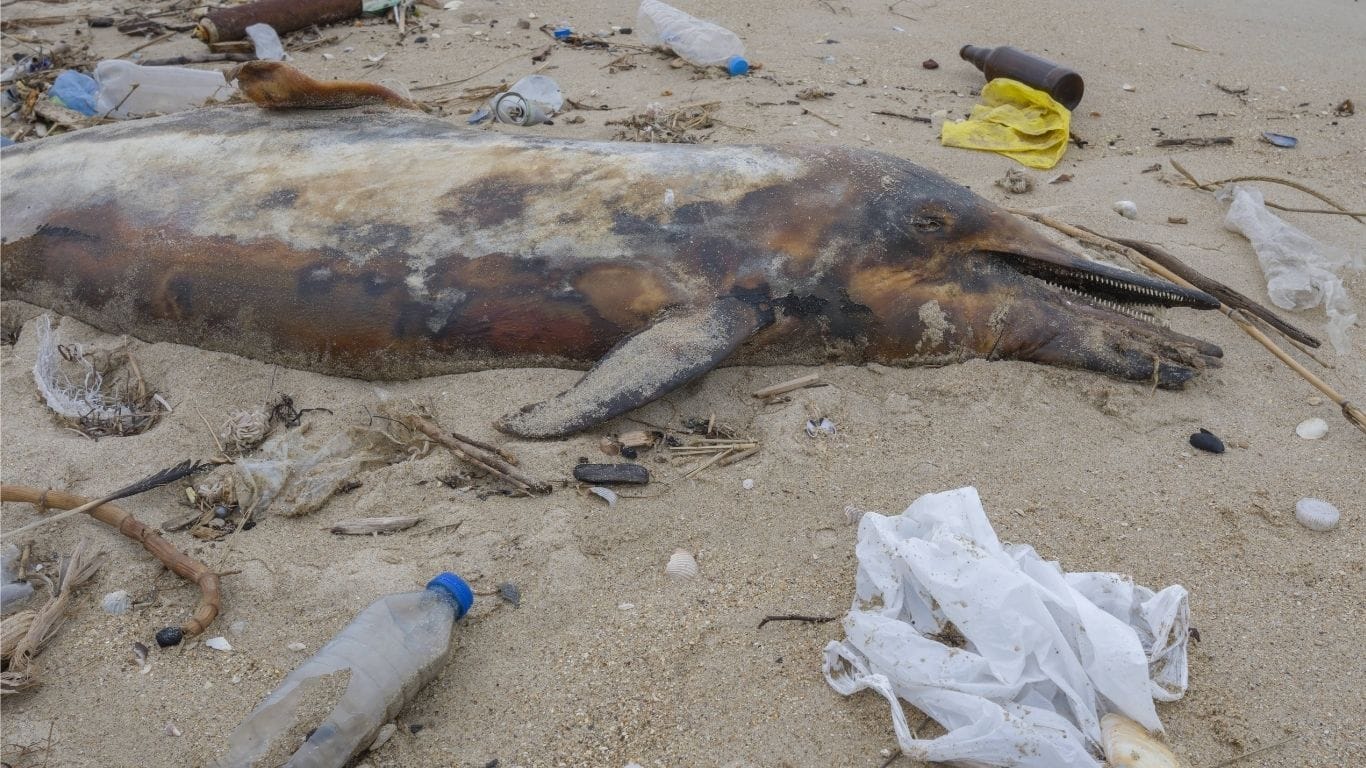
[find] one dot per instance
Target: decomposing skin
(272, 85)
(390, 245)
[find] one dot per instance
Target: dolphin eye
(927, 223)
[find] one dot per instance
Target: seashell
(1126, 208)
(170, 729)
(116, 603)
(606, 494)
(853, 514)
(1280, 140)
(1312, 429)
(747, 483)
(1206, 440)
(219, 643)
(1317, 514)
(1129, 745)
(682, 565)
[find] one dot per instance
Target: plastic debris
(13, 593)
(1022, 123)
(219, 643)
(1300, 272)
(698, 42)
(129, 90)
(75, 91)
(69, 399)
(267, 42)
(1044, 654)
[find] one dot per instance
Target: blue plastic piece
(736, 65)
(563, 32)
(75, 91)
(6, 141)
(457, 589)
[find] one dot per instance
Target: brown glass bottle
(1063, 84)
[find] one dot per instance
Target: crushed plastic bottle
(127, 89)
(1301, 273)
(381, 659)
(699, 42)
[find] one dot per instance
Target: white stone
(747, 483)
(219, 643)
(1126, 208)
(1312, 429)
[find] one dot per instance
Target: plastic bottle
(1063, 84)
(159, 89)
(699, 42)
(391, 650)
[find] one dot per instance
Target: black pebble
(1206, 441)
(630, 452)
(420, 39)
(602, 474)
(100, 21)
(413, 728)
(170, 636)
(248, 525)
(624, 30)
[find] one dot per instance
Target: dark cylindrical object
(1063, 84)
(285, 16)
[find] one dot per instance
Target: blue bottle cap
(562, 32)
(456, 588)
(736, 65)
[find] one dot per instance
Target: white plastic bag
(1046, 653)
(1300, 272)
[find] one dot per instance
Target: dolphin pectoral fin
(675, 350)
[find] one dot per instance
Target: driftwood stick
(782, 388)
(210, 599)
(1351, 412)
(485, 460)
(1216, 289)
(170, 475)
(1210, 185)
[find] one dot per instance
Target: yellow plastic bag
(1015, 120)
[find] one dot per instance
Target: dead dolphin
(390, 245)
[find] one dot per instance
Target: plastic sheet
(1300, 272)
(1045, 654)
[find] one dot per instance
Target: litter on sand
(1044, 654)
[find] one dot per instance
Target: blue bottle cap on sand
(562, 32)
(736, 65)
(456, 588)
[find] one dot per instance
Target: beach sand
(606, 660)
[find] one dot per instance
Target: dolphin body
(385, 244)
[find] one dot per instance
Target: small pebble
(1315, 401)
(171, 730)
(1128, 87)
(1312, 429)
(238, 627)
(219, 643)
(1206, 440)
(1126, 208)
(220, 511)
(296, 646)
(856, 81)
(1317, 514)
(626, 606)
(415, 728)
(169, 636)
(116, 603)
(509, 592)
(747, 483)
(930, 64)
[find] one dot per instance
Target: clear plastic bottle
(127, 89)
(391, 650)
(700, 42)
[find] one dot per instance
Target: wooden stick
(1351, 412)
(801, 382)
(181, 470)
(1340, 209)
(210, 599)
(489, 462)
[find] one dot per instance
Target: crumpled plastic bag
(1022, 123)
(292, 474)
(1045, 654)
(1300, 272)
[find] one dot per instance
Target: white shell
(219, 643)
(682, 565)
(606, 494)
(116, 603)
(1317, 514)
(1126, 208)
(1129, 745)
(1312, 429)
(747, 483)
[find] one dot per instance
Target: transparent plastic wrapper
(292, 474)
(1301, 273)
(338, 700)
(1045, 654)
(699, 42)
(129, 90)
(13, 593)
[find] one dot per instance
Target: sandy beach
(606, 660)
